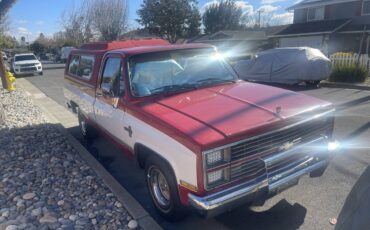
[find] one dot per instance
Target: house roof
(353, 28)
(232, 35)
(316, 27)
(314, 3)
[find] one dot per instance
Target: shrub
(350, 73)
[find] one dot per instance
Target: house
(329, 25)
(239, 42)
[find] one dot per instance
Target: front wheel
(163, 189)
(41, 73)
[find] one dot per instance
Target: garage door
(310, 41)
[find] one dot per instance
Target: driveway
(309, 205)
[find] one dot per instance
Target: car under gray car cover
(285, 65)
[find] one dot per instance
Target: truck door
(109, 91)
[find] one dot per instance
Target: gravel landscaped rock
(44, 184)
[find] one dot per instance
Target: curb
(352, 103)
(138, 213)
(344, 85)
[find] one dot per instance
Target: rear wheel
(163, 189)
(312, 83)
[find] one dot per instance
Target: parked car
(205, 139)
(65, 51)
(286, 65)
(26, 63)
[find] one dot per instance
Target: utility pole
(259, 18)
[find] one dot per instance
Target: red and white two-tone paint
(206, 139)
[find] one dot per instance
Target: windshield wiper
(173, 88)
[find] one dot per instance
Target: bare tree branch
(108, 17)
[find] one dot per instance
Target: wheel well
(143, 153)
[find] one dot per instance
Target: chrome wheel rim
(159, 187)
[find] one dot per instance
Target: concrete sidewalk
(60, 115)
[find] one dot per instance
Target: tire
(41, 73)
(163, 189)
(87, 131)
(312, 83)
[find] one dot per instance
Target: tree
(75, 24)
(108, 18)
(6, 42)
(37, 47)
(170, 19)
(224, 15)
(4, 20)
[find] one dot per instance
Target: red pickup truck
(207, 140)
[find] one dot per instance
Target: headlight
(219, 159)
(217, 156)
(215, 176)
(214, 157)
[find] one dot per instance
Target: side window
(112, 81)
(73, 65)
(86, 66)
(82, 66)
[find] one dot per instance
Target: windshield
(25, 57)
(178, 70)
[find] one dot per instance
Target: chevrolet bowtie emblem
(286, 146)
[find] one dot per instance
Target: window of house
(316, 13)
(112, 80)
(366, 7)
(82, 66)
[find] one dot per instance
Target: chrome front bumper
(268, 184)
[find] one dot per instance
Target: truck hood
(218, 113)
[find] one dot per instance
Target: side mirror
(107, 89)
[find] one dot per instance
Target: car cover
(285, 65)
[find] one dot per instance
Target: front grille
(249, 169)
(28, 69)
(268, 154)
(269, 144)
(301, 133)
(27, 65)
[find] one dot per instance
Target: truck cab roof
(134, 46)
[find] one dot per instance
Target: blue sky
(31, 17)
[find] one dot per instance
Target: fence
(348, 59)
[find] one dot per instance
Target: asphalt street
(309, 205)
